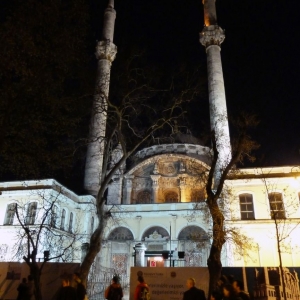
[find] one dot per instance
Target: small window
(143, 197)
(31, 213)
(10, 214)
(63, 219)
(171, 197)
(276, 206)
(246, 206)
(71, 223)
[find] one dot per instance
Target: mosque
(157, 205)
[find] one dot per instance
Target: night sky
(260, 58)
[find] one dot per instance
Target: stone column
(173, 237)
(105, 54)
(138, 218)
(182, 186)
(211, 38)
(155, 187)
(128, 189)
(140, 249)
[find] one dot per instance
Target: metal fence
(99, 281)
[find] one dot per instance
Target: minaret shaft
(211, 38)
(105, 54)
(210, 15)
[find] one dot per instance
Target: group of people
(69, 292)
(26, 289)
(230, 290)
(227, 290)
(115, 292)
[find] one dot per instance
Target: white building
(64, 219)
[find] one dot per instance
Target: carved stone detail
(212, 35)
(106, 50)
(169, 169)
(141, 183)
(155, 179)
(168, 182)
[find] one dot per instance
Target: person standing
(79, 287)
(229, 293)
(114, 291)
(142, 289)
(193, 293)
(238, 287)
(66, 292)
(22, 290)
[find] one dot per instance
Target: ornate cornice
(212, 35)
(106, 50)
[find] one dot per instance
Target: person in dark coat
(238, 287)
(22, 290)
(229, 293)
(80, 289)
(193, 293)
(66, 292)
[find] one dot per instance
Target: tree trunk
(95, 245)
(214, 260)
(36, 274)
(214, 268)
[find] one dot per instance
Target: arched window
(120, 234)
(71, 223)
(54, 216)
(171, 197)
(276, 206)
(194, 233)
(198, 195)
(246, 206)
(63, 219)
(143, 197)
(31, 213)
(10, 214)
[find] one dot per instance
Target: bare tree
(42, 235)
(143, 108)
(217, 194)
(280, 212)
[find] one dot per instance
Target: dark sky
(260, 57)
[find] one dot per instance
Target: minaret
(211, 38)
(105, 54)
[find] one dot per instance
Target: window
(276, 206)
(10, 214)
(171, 197)
(246, 206)
(63, 219)
(54, 216)
(198, 196)
(143, 197)
(71, 223)
(31, 213)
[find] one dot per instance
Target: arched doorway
(120, 249)
(194, 241)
